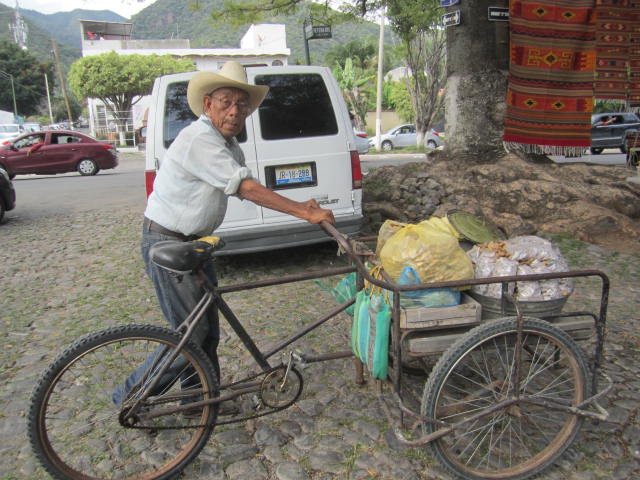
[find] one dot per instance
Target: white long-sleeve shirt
(200, 170)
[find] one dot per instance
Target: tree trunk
(477, 73)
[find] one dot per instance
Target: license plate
(294, 174)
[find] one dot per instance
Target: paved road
(41, 195)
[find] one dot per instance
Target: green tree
(424, 42)
(400, 101)
(363, 54)
(119, 81)
(351, 81)
(28, 79)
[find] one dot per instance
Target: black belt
(156, 227)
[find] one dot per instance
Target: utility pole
(306, 42)
(380, 80)
(62, 84)
(13, 92)
(46, 84)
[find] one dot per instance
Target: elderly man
(201, 169)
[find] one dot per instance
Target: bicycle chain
(235, 420)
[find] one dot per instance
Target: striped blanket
(551, 75)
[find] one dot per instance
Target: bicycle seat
(180, 257)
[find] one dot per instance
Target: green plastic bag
(344, 290)
(370, 331)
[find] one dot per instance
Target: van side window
(297, 105)
(178, 114)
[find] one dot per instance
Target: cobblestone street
(65, 276)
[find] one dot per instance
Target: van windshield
(9, 128)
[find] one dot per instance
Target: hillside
(64, 27)
(39, 40)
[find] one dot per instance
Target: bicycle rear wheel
(479, 371)
(77, 432)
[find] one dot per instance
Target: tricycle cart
(504, 400)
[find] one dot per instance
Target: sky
(126, 8)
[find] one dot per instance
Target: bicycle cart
(505, 398)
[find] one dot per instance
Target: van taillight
(356, 171)
(149, 177)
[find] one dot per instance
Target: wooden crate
(433, 342)
(417, 342)
(467, 313)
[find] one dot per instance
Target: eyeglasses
(227, 104)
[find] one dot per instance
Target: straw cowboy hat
(233, 75)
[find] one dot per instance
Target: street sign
(451, 18)
(498, 14)
(317, 31)
(448, 3)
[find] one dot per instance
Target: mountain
(39, 40)
(65, 26)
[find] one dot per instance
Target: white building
(262, 45)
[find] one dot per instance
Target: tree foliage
(119, 81)
(417, 23)
(352, 80)
(252, 11)
(401, 101)
(28, 79)
(363, 54)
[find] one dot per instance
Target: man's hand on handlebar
(316, 214)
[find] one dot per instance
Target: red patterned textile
(614, 26)
(551, 73)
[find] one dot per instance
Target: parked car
(608, 130)
(31, 127)
(7, 194)
(398, 137)
(362, 142)
(434, 138)
(57, 151)
(405, 136)
(300, 142)
(9, 131)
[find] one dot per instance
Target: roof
(110, 30)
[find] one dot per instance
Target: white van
(9, 131)
(300, 143)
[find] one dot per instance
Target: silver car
(405, 136)
(362, 142)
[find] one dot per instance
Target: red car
(56, 151)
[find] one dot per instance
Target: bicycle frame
(214, 298)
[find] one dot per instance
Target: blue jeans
(177, 295)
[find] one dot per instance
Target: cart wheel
(478, 371)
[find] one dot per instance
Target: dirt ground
(592, 203)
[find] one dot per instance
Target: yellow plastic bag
(388, 229)
(433, 253)
(442, 223)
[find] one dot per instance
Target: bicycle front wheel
(78, 432)
(479, 371)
